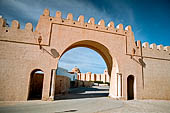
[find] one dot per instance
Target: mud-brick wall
(62, 84)
(156, 73)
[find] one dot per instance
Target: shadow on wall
(84, 92)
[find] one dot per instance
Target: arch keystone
(81, 19)
(145, 45)
(58, 14)
(46, 12)
(91, 21)
(70, 16)
(15, 24)
(153, 46)
(111, 24)
(29, 27)
(120, 26)
(128, 28)
(101, 23)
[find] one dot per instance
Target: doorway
(130, 87)
(36, 85)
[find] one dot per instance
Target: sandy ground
(86, 100)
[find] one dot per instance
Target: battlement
(16, 25)
(119, 29)
(155, 51)
(43, 28)
(15, 34)
(155, 47)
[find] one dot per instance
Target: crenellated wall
(104, 77)
(15, 34)
(156, 71)
(24, 50)
(20, 56)
(155, 51)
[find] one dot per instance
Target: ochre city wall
(20, 55)
(156, 71)
(104, 77)
(23, 51)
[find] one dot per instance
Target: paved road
(86, 100)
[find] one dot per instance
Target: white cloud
(32, 9)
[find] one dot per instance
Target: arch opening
(98, 47)
(130, 87)
(87, 76)
(90, 64)
(36, 85)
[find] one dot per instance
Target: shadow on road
(82, 92)
(67, 111)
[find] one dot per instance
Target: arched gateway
(54, 36)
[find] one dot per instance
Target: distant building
(103, 77)
(64, 72)
(76, 70)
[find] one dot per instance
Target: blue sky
(150, 20)
(87, 60)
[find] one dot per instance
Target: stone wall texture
(24, 50)
(62, 85)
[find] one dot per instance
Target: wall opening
(130, 87)
(99, 48)
(92, 59)
(36, 85)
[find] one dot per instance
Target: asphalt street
(86, 100)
